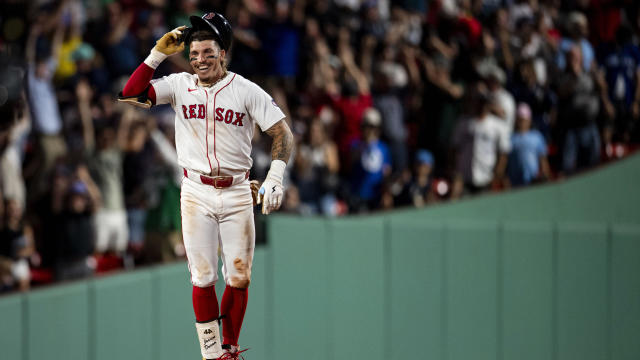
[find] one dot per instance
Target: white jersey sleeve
(165, 89)
(261, 107)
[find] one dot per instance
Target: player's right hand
(168, 44)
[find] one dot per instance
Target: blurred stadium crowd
(393, 103)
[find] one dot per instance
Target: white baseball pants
(218, 222)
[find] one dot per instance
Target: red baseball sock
(205, 304)
(233, 307)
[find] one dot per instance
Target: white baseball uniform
(214, 127)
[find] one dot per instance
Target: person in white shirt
(481, 146)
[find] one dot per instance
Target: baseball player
(216, 111)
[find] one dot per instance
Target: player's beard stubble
(213, 73)
(209, 67)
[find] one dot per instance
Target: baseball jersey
(214, 125)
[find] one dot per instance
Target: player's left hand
(254, 185)
(270, 195)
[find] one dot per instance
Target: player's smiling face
(206, 60)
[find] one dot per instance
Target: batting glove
(254, 185)
(271, 191)
(169, 43)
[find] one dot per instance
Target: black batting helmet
(215, 23)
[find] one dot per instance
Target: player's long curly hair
(202, 35)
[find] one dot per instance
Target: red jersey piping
(206, 131)
(214, 125)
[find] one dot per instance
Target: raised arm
(137, 91)
(30, 47)
(270, 194)
(83, 95)
(346, 55)
(56, 42)
(124, 127)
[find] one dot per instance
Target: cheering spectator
(12, 134)
(577, 31)
(72, 39)
(415, 189)
(621, 63)
(579, 96)
(16, 246)
(47, 122)
(480, 146)
(440, 106)
(316, 170)
(89, 65)
(137, 166)
(390, 79)
(538, 96)
(105, 158)
(502, 104)
(119, 43)
(371, 163)
(247, 45)
(528, 157)
(163, 240)
(351, 99)
(76, 224)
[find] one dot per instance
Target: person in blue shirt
(371, 163)
(577, 31)
(621, 64)
(528, 157)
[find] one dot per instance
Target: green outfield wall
(551, 272)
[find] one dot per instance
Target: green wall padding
(123, 317)
(471, 290)
(255, 328)
(299, 261)
(582, 292)
(416, 290)
(173, 320)
(625, 292)
(64, 310)
(11, 328)
(527, 291)
(608, 194)
(357, 289)
(551, 272)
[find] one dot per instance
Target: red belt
(218, 182)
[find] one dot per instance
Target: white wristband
(276, 171)
(155, 58)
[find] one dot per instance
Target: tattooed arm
(282, 145)
(271, 191)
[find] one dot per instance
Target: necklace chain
(224, 74)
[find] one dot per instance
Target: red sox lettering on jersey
(214, 125)
(198, 111)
